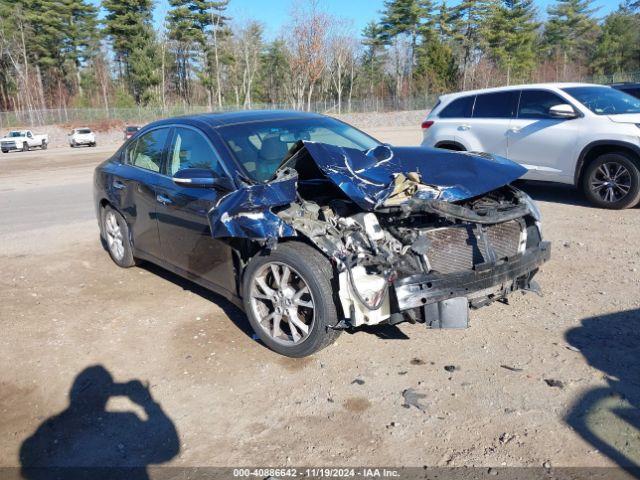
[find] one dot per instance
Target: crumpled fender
(366, 177)
(246, 212)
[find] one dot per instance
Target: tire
(5, 151)
(602, 192)
(308, 267)
(25, 147)
(94, 144)
(123, 258)
(44, 145)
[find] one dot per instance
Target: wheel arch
(601, 147)
(451, 145)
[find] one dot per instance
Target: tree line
(63, 54)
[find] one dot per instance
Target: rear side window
(495, 105)
(459, 108)
(535, 104)
(146, 152)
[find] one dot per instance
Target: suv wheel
(25, 147)
(612, 181)
(290, 299)
(44, 145)
(115, 232)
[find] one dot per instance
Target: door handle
(515, 129)
(163, 200)
(117, 184)
(464, 127)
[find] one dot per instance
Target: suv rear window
(459, 108)
(495, 105)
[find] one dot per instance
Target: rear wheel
(612, 181)
(290, 300)
(116, 235)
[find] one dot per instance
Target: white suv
(581, 134)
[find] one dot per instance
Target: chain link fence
(140, 115)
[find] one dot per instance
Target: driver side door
(183, 224)
(545, 145)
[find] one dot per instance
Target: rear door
(134, 184)
(543, 144)
(183, 222)
(487, 129)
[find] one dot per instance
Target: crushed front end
(415, 235)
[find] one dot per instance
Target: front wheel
(290, 299)
(25, 147)
(44, 145)
(612, 181)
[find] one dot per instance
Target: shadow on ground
(553, 192)
(609, 417)
(236, 315)
(88, 441)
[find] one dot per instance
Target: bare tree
(307, 40)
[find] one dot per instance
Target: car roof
(517, 87)
(219, 119)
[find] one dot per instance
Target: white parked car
(23, 140)
(575, 133)
(82, 136)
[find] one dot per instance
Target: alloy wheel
(114, 235)
(611, 182)
(282, 303)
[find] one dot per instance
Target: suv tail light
(426, 124)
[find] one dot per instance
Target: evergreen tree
(468, 18)
(570, 31)
(128, 25)
(618, 49)
(510, 33)
(374, 56)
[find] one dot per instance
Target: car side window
(147, 150)
(495, 105)
(535, 104)
(459, 108)
(191, 149)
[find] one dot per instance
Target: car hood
(625, 118)
(369, 177)
(372, 179)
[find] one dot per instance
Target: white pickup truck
(23, 140)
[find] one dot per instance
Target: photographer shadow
(88, 441)
(608, 417)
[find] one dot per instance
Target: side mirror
(564, 110)
(202, 178)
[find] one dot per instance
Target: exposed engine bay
(415, 235)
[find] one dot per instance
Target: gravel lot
(552, 380)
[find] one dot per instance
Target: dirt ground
(551, 380)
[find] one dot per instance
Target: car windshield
(84, 130)
(16, 134)
(260, 147)
(605, 100)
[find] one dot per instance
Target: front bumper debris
(512, 274)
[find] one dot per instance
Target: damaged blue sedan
(312, 226)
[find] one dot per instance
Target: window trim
(165, 166)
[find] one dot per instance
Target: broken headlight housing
(531, 205)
